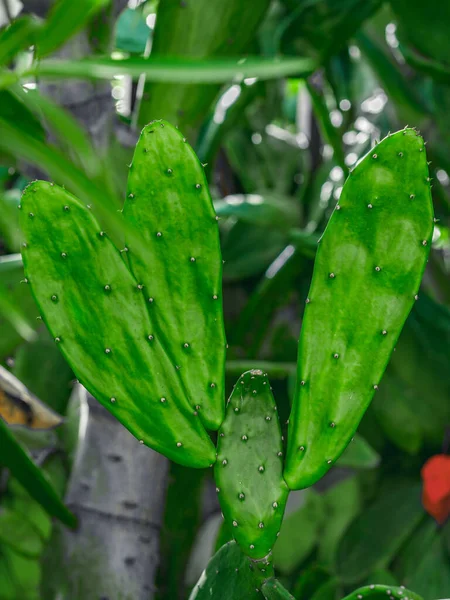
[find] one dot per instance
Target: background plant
(278, 150)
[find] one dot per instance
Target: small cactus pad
(229, 575)
(273, 590)
(168, 201)
(367, 273)
(382, 592)
(101, 320)
(249, 468)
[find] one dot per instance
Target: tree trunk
(117, 490)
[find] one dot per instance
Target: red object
(436, 487)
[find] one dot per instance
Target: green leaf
(41, 367)
(15, 458)
(376, 535)
(262, 210)
(64, 20)
(18, 310)
(132, 32)
(174, 70)
(343, 502)
(320, 28)
(20, 576)
(18, 36)
(197, 30)
(17, 533)
(359, 455)
(299, 533)
(9, 219)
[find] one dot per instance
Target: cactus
(168, 201)
(248, 471)
(102, 320)
(273, 590)
(382, 592)
(366, 277)
(230, 574)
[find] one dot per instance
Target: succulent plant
(367, 273)
(249, 468)
(139, 339)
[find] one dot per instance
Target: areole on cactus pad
(367, 273)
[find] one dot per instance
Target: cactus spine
(366, 277)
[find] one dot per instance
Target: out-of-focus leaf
(197, 30)
(248, 250)
(309, 581)
(330, 133)
(421, 362)
(382, 577)
(42, 368)
(16, 297)
(175, 69)
(342, 503)
(274, 289)
(319, 28)
(299, 533)
(19, 35)
(64, 20)
(403, 96)
(415, 548)
(328, 591)
(19, 576)
(203, 549)
(9, 219)
(132, 32)
(181, 521)
(14, 108)
(264, 210)
(375, 536)
(18, 406)
(72, 137)
(415, 22)
(430, 576)
(359, 455)
(17, 533)
(15, 458)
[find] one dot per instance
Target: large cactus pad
(100, 317)
(250, 485)
(366, 277)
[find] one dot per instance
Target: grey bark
(117, 490)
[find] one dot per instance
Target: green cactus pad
(168, 201)
(100, 317)
(382, 592)
(366, 277)
(248, 472)
(229, 574)
(273, 590)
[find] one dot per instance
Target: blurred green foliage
(280, 115)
